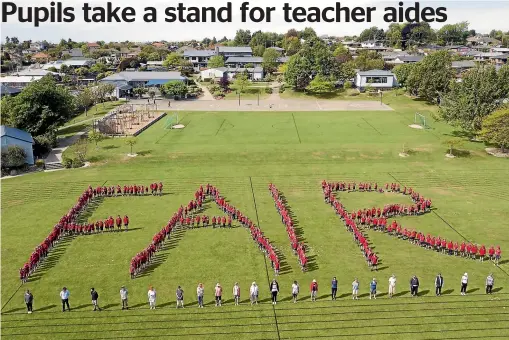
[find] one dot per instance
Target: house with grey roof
(8, 91)
(234, 51)
(249, 61)
(72, 63)
(11, 136)
(74, 53)
(379, 79)
(254, 73)
(143, 79)
(199, 58)
(407, 59)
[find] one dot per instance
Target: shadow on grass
(163, 253)
(72, 130)
(460, 153)
(144, 152)
(109, 147)
(52, 259)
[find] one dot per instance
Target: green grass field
(241, 153)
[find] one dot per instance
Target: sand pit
(416, 126)
(497, 152)
(448, 155)
(178, 126)
(403, 154)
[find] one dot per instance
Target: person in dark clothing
(334, 287)
(274, 289)
(439, 283)
(95, 297)
(414, 285)
(29, 299)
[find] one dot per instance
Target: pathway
(55, 156)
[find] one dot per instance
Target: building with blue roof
(12, 136)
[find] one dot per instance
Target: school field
(241, 153)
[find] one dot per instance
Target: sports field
(241, 153)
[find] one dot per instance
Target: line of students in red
(128, 190)
(99, 226)
(298, 247)
(377, 219)
(185, 217)
(256, 233)
(371, 258)
(68, 225)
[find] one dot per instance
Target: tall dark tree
(40, 108)
(242, 38)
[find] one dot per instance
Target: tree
(258, 50)
(298, 72)
(52, 69)
(416, 34)
(140, 91)
(242, 38)
(41, 107)
(452, 143)
(95, 137)
(175, 88)
(320, 85)
(369, 60)
(98, 68)
(394, 35)
(216, 61)
(472, 99)
(292, 32)
(340, 50)
(84, 99)
(307, 33)
(431, 77)
(270, 60)
(453, 33)
(292, 45)
(66, 69)
(240, 83)
(81, 148)
(102, 91)
(224, 83)
(495, 128)
(372, 33)
(402, 72)
(81, 72)
(172, 60)
(131, 142)
(151, 94)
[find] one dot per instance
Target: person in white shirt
(295, 291)
(236, 293)
(392, 285)
(199, 292)
(64, 296)
(253, 293)
(152, 297)
(464, 283)
(123, 297)
(355, 289)
(490, 281)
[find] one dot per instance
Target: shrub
(40, 163)
(347, 85)
(282, 88)
(353, 94)
(13, 156)
(206, 80)
(218, 93)
(268, 90)
(214, 88)
(67, 162)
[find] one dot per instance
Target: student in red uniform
(482, 253)
(118, 220)
(126, 222)
(498, 255)
(160, 187)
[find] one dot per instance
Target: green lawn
(241, 153)
(351, 94)
(249, 93)
(85, 119)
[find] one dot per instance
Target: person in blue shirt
(372, 289)
(334, 288)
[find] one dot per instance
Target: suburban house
(11, 136)
(458, 49)
(255, 73)
(8, 91)
(199, 58)
(407, 59)
(237, 51)
(74, 53)
(389, 56)
(372, 43)
(129, 52)
(93, 46)
(486, 56)
(72, 63)
(159, 45)
(18, 81)
(482, 41)
(379, 79)
(249, 61)
(40, 57)
(501, 59)
(142, 79)
(500, 49)
(34, 72)
(155, 65)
